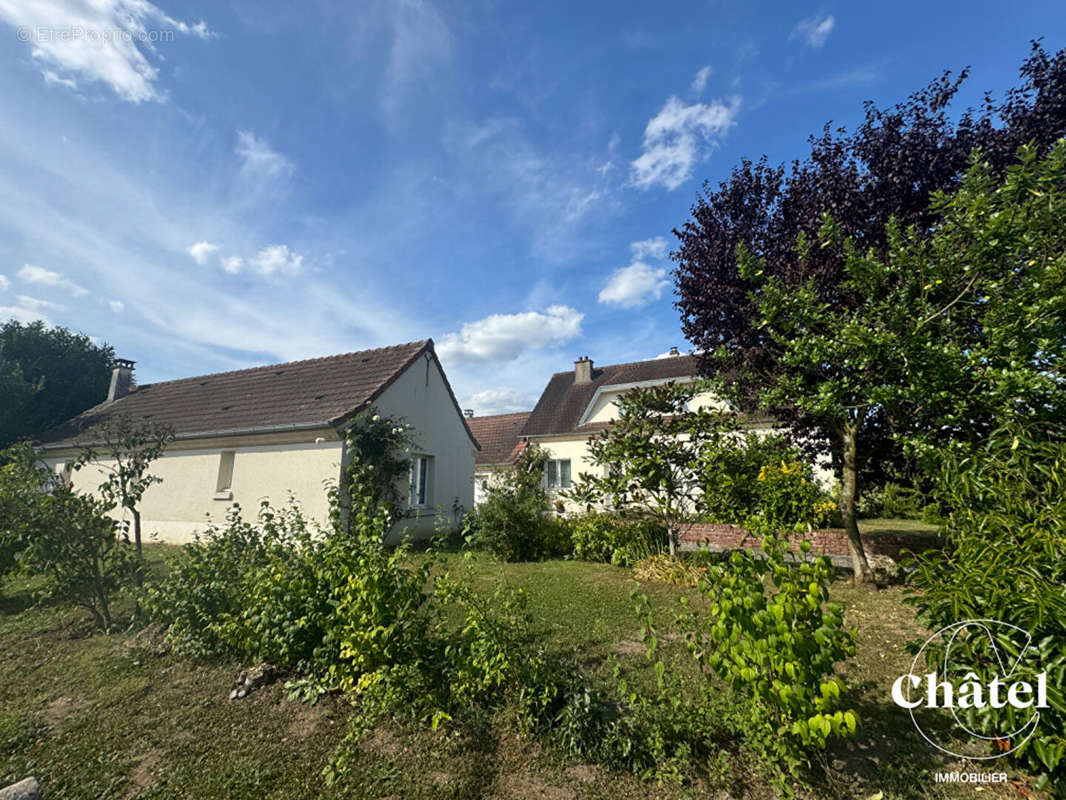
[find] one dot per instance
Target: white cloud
(503, 337)
(33, 304)
(46, 277)
(500, 401)
(23, 315)
(4, 282)
(679, 137)
(634, 285)
(259, 159)
(109, 41)
(232, 264)
(277, 258)
(814, 31)
(654, 248)
(422, 44)
(201, 251)
(699, 82)
(116, 305)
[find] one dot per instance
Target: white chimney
(121, 379)
(583, 370)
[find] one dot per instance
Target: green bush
(730, 467)
(515, 522)
(49, 530)
(21, 482)
(892, 501)
(1005, 560)
(80, 553)
(765, 627)
(208, 582)
(615, 540)
(787, 500)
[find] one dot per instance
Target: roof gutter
(292, 427)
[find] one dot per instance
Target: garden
(537, 654)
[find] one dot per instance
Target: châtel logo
(955, 689)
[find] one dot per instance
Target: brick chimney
(121, 379)
(583, 370)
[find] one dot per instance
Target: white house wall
(604, 406)
(420, 396)
(264, 467)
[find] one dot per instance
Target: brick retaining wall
(827, 541)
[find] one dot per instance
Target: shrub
(211, 582)
(49, 530)
(78, 550)
(671, 570)
(730, 469)
(894, 501)
(776, 648)
(379, 448)
(1005, 560)
(787, 500)
(615, 540)
(21, 482)
(515, 521)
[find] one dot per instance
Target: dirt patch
(629, 647)
(306, 721)
(142, 776)
(61, 708)
(583, 773)
(528, 787)
(385, 741)
(151, 640)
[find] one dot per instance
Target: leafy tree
(78, 549)
(47, 375)
(966, 324)
(653, 457)
(1005, 561)
(49, 530)
(888, 168)
(126, 452)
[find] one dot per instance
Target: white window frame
(224, 480)
(421, 481)
(555, 465)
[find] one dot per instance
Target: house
(579, 403)
(500, 438)
(575, 406)
(270, 431)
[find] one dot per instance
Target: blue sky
(208, 186)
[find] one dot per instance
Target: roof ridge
(419, 343)
(628, 363)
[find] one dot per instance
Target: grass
(109, 716)
(895, 526)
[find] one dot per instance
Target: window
(420, 477)
(224, 482)
(558, 473)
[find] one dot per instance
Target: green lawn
(95, 716)
(895, 526)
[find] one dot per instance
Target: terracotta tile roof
(563, 402)
(317, 392)
(498, 437)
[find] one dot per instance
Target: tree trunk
(848, 492)
(138, 577)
